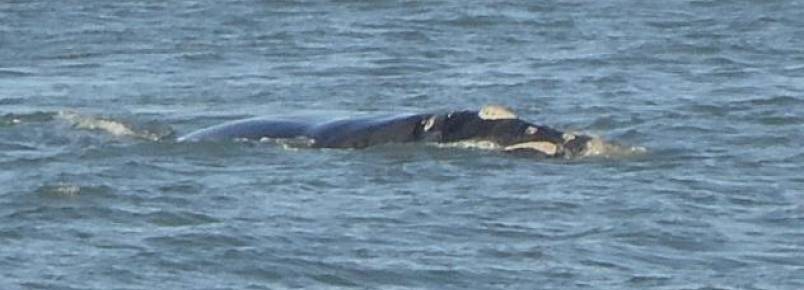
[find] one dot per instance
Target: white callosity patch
(545, 147)
(428, 124)
(496, 112)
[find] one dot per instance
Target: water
(95, 195)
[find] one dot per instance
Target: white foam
(600, 148)
(292, 144)
(113, 127)
(470, 144)
(65, 189)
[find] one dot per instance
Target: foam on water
(95, 123)
(470, 144)
(61, 189)
(598, 147)
(114, 127)
(291, 144)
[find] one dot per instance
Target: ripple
(779, 259)
(266, 275)
(196, 240)
(8, 73)
(8, 147)
(791, 216)
(201, 57)
(649, 281)
(709, 3)
(12, 234)
(72, 190)
(610, 122)
(683, 240)
(178, 219)
(504, 252)
(709, 109)
(11, 101)
(781, 101)
(11, 119)
(723, 61)
(677, 23)
(408, 35)
(792, 120)
(47, 285)
(334, 280)
(606, 264)
(475, 21)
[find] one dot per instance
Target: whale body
(494, 124)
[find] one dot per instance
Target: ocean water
(94, 194)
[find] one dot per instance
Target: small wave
(60, 190)
(9, 73)
(12, 119)
(201, 56)
(11, 101)
(782, 100)
(151, 131)
(179, 218)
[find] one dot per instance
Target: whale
(493, 124)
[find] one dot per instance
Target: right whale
(493, 124)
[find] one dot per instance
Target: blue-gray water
(714, 89)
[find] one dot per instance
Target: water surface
(713, 89)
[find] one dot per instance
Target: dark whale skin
(345, 133)
(447, 127)
(250, 129)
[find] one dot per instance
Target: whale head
(504, 128)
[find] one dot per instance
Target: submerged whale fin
(496, 112)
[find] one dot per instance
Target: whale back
(364, 132)
(251, 129)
